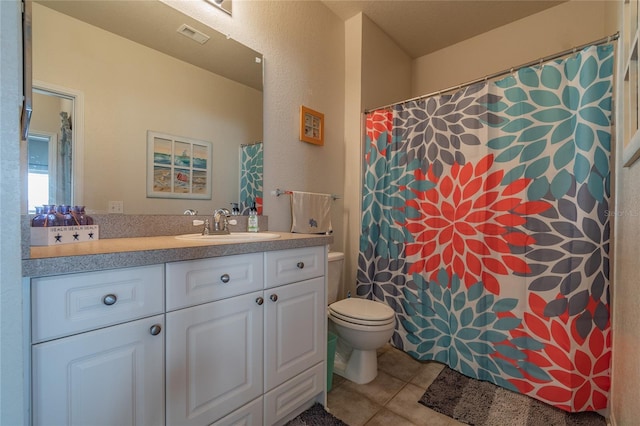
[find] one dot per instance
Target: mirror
(52, 148)
(140, 68)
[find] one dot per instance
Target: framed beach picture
(311, 126)
(178, 167)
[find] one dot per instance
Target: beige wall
(378, 73)
(625, 392)
(132, 89)
(13, 400)
(543, 34)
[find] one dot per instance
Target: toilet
(362, 326)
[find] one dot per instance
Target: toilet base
(360, 368)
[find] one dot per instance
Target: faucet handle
(206, 229)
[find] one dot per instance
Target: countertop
(128, 252)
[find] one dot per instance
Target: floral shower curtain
(485, 226)
(251, 160)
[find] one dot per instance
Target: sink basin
(234, 237)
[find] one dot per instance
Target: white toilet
(362, 327)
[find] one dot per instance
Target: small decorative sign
(311, 126)
(51, 236)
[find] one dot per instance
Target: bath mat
(481, 403)
(316, 416)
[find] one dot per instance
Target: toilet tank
(335, 261)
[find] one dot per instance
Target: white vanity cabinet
(251, 348)
(226, 340)
(98, 348)
(214, 348)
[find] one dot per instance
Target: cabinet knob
(300, 265)
(259, 300)
(110, 299)
(273, 297)
(225, 278)
(155, 329)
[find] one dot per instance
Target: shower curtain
(251, 160)
(485, 226)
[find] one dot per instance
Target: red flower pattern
(468, 223)
(579, 367)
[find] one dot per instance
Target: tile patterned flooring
(392, 397)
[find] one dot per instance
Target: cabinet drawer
(193, 282)
(287, 266)
(290, 395)
(69, 304)
(247, 415)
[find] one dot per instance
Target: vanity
(166, 331)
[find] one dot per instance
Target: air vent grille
(193, 34)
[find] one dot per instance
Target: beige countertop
(127, 252)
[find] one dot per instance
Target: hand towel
(311, 213)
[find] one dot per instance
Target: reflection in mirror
(137, 73)
(251, 160)
(53, 144)
(226, 5)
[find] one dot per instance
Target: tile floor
(392, 397)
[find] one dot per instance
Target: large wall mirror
(140, 67)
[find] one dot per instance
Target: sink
(234, 237)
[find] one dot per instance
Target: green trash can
(331, 356)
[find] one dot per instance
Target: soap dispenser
(252, 224)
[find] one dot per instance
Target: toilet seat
(362, 312)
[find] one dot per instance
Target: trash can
(331, 356)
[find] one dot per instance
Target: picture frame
(178, 167)
(311, 126)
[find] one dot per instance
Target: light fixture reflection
(224, 5)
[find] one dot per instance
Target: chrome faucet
(221, 221)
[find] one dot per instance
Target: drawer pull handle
(225, 278)
(300, 265)
(110, 299)
(273, 297)
(155, 329)
(259, 300)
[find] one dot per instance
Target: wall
(625, 391)
(12, 397)
(378, 73)
(304, 51)
(129, 89)
(543, 34)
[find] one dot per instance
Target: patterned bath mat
(482, 403)
(316, 416)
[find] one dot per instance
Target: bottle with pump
(252, 224)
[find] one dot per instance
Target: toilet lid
(362, 310)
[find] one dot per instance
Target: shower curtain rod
(504, 72)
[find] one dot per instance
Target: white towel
(311, 213)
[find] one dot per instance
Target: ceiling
(421, 27)
(155, 24)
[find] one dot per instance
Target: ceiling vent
(192, 33)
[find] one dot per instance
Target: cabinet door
(295, 329)
(112, 376)
(214, 359)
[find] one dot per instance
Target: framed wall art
(311, 126)
(178, 167)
